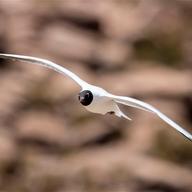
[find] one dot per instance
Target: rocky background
(138, 48)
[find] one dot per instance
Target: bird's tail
(119, 113)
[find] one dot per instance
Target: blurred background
(137, 48)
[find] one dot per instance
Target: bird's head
(85, 97)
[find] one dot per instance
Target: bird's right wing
(147, 107)
(45, 63)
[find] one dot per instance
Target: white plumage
(96, 99)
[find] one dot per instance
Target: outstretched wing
(45, 63)
(144, 106)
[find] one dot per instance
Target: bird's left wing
(144, 106)
(45, 63)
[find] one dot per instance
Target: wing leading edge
(45, 63)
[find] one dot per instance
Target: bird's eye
(85, 97)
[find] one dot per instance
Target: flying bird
(97, 100)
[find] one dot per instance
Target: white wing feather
(45, 63)
(144, 106)
(119, 99)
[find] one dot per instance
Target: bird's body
(102, 104)
(96, 99)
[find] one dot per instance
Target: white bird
(96, 99)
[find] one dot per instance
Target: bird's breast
(101, 105)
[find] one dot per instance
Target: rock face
(48, 142)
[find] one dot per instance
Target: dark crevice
(188, 106)
(158, 187)
(45, 146)
(95, 65)
(92, 25)
(4, 63)
(87, 24)
(11, 169)
(110, 137)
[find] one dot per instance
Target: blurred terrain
(138, 48)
